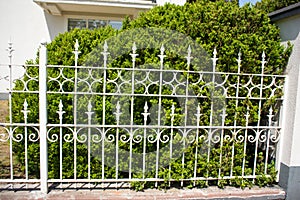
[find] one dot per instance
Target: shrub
(219, 25)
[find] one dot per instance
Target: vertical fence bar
(245, 140)
(89, 114)
(188, 61)
(145, 114)
(133, 56)
(76, 53)
(25, 112)
(43, 117)
(239, 61)
(10, 50)
(105, 54)
(60, 113)
(117, 113)
(263, 62)
(214, 60)
(270, 115)
(198, 115)
(222, 142)
(161, 56)
(171, 139)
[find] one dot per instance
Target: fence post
(43, 117)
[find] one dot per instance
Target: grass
(5, 168)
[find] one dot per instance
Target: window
(92, 23)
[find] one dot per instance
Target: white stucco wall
(290, 31)
(177, 2)
(25, 24)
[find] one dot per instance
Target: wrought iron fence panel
(107, 124)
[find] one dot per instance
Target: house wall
(25, 24)
(290, 31)
(289, 177)
(178, 2)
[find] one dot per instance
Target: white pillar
(289, 177)
(43, 117)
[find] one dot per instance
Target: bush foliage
(219, 25)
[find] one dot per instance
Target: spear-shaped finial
(89, 113)
(189, 57)
(263, 61)
(239, 61)
(10, 50)
(76, 52)
(105, 46)
(60, 111)
(25, 111)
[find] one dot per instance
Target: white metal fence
(105, 124)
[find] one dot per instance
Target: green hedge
(219, 25)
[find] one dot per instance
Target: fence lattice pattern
(106, 124)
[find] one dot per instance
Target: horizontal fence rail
(106, 124)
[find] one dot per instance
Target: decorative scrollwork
(137, 138)
(18, 137)
(81, 138)
(97, 137)
(164, 138)
(4, 136)
(240, 137)
(215, 136)
(53, 137)
(35, 136)
(152, 138)
(263, 135)
(191, 136)
(275, 136)
(252, 138)
(110, 137)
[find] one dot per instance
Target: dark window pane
(95, 23)
(76, 23)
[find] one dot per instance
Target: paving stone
(211, 193)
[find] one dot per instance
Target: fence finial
(189, 57)
(173, 109)
(198, 110)
(270, 115)
(60, 111)
(239, 61)
(76, 52)
(214, 59)
(105, 53)
(105, 47)
(10, 50)
(89, 113)
(25, 111)
(223, 115)
(133, 54)
(162, 56)
(118, 113)
(263, 61)
(145, 113)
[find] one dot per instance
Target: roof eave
(285, 12)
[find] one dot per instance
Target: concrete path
(211, 193)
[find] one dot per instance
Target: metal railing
(106, 124)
